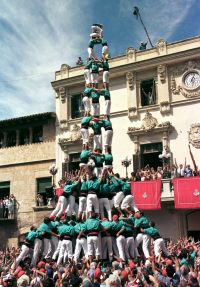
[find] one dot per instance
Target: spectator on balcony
(188, 171)
(6, 201)
(10, 208)
(1, 208)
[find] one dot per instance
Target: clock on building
(191, 79)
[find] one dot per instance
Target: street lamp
(136, 13)
(126, 162)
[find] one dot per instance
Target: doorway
(150, 155)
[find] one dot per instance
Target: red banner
(187, 192)
(146, 194)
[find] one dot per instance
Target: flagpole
(136, 12)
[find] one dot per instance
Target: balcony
(167, 192)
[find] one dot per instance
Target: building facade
(155, 103)
(27, 150)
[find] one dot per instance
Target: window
(38, 134)
(150, 154)
(148, 93)
(11, 139)
(76, 106)
(24, 137)
(4, 189)
(44, 184)
(74, 160)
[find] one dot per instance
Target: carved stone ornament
(194, 135)
(63, 125)
(72, 136)
(130, 80)
(164, 107)
(149, 123)
(180, 72)
(62, 92)
(161, 69)
(132, 113)
(64, 67)
(161, 46)
(130, 53)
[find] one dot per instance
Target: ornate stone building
(155, 96)
(27, 150)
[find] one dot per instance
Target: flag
(187, 192)
(146, 194)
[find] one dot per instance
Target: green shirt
(88, 64)
(131, 220)
(95, 97)
(84, 156)
(115, 185)
(78, 227)
(105, 191)
(92, 224)
(107, 124)
(153, 232)
(126, 187)
(94, 185)
(108, 158)
(84, 185)
(94, 42)
(105, 65)
(85, 122)
(68, 189)
(67, 230)
(141, 222)
(106, 94)
(98, 159)
(117, 226)
(88, 91)
(96, 126)
(31, 236)
(44, 231)
(95, 68)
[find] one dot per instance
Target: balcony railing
(9, 213)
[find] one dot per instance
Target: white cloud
(37, 37)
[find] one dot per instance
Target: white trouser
(159, 245)
(47, 247)
(93, 245)
(121, 245)
(104, 203)
(97, 142)
(91, 53)
(82, 204)
(96, 109)
(65, 251)
(71, 205)
(118, 199)
(95, 78)
(80, 243)
(56, 253)
(60, 207)
(98, 171)
(24, 252)
(54, 241)
(85, 135)
(106, 77)
(92, 201)
(36, 251)
(106, 247)
(87, 76)
(108, 135)
(114, 247)
(129, 202)
(130, 248)
(145, 240)
(87, 104)
(107, 107)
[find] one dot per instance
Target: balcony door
(149, 154)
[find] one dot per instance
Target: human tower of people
(107, 224)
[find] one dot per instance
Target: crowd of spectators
(8, 207)
(181, 268)
(151, 173)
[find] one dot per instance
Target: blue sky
(38, 36)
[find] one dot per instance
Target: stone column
(30, 135)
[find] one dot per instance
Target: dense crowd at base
(181, 268)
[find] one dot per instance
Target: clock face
(192, 80)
